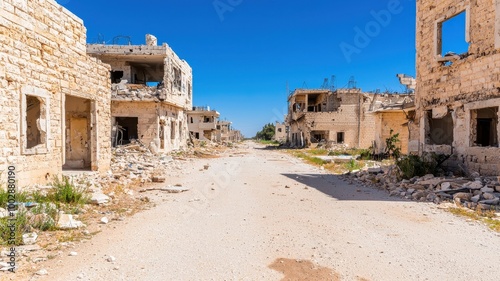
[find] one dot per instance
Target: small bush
(65, 192)
(416, 166)
(352, 165)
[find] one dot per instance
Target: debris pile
(475, 193)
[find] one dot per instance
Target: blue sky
(243, 52)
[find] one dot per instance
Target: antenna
(332, 82)
(325, 84)
(304, 85)
(352, 83)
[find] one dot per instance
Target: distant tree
(267, 132)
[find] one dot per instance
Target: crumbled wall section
(471, 82)
(43, 54)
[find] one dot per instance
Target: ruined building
(346, 117)
(458, 92)
(151, 92)
(280, 132)
(54, 98)
(202, 123)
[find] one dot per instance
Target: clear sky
(244, 52)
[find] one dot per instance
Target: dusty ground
(263, 215)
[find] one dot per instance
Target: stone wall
(43, 55)
(397, 122)
(160, 124)
(462, 85)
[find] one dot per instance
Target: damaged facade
(458, 94)
(225, 132)
(151, 93)
(280, 132)
(54, 98)
(347, 118)
(202, 123)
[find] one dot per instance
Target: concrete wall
(205, 130)
(469, 83)
(43, 54)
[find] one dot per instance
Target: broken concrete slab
(99, 198)
(67, 222)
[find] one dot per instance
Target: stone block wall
(43, 54)
(464, 84)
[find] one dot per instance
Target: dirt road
(263, 215)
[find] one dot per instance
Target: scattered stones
(206, 166)
(158, 179)
(110, 259)
(168, 188)
(72, 254)
(476, 192)
(104, 220)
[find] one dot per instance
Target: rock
(30, 238)
(206, 167)
(462, 196)
(489, 196)
(475, 185)
(67, 222)
(104, 220)
(497, 188)
(42, 271)
(475, 175)
(410, 191)
(418, 195)
(110, 259)
(428, 177)
(495, 201)
(445, 186)
(99, 198)
(72, 254)
(476, 198)
(158, 179)
(487, 189)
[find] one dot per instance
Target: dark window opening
(177, 79)
(191, 120)
(172, 130)
(33, 116)
(116, 76)
(440, 130)
(340, 137)
(486, 126)
(279, 130)
(129, 129)
(150, 74)
(197, 136)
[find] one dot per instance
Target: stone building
(151, 92)
(54, 98)
(223, 131)
(202, 123)
(458, 92)
(280, 132)
(346, 117)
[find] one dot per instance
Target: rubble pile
(475, 193)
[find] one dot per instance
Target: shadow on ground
(334, 186)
